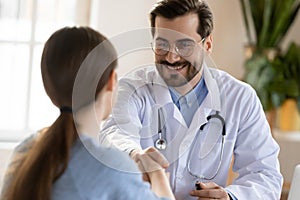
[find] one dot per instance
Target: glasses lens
(160, 47)
(185, 47)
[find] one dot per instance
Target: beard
(177, 74)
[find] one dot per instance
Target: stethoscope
(161, 143)
(216, 116)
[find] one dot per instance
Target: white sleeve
(256, 156)
(122, 128)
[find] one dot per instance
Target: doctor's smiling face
(179, 49)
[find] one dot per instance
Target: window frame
(9, 138)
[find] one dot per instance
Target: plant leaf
(267, 13)
(283, 22)
(246, 20)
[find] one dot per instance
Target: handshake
(153, 164)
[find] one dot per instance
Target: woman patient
(63, 161)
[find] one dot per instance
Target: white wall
(229, 36)
(115, 17)
(4, 157)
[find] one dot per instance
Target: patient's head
(63, 54)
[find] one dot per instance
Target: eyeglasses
(183, 47)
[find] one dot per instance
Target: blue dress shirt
(189, 103)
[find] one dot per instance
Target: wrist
(133, 153)
(157, 172)
(158, 176)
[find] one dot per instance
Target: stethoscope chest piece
(161, 144)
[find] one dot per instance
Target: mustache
(175, 64)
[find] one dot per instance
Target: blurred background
(26, 24)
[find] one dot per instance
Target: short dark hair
(171, 9)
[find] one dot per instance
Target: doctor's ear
(208, 44)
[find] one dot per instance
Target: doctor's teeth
(175, 68)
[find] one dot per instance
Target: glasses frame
(166, 51)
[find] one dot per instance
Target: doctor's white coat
(134, 125)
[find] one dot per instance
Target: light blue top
(95, 172)
(189, 103)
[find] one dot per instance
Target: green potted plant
(269, 20)
(284, 87)
(266, 22)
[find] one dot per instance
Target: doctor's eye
(183, 44)
(160, 46)
(185, 47)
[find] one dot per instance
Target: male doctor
(191, 119)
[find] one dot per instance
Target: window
(25, 26)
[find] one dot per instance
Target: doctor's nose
(172, 56)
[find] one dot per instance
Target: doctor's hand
(149, 160)
(210, 190)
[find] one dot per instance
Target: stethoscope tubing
(161, 143)
(218, 168)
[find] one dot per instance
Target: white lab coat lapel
(212, 100)
(210, 104)
(162, 97)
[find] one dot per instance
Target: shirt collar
(198, 93)
(212, 100)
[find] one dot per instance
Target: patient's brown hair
(48, 156)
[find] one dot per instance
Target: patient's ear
(111, 83)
